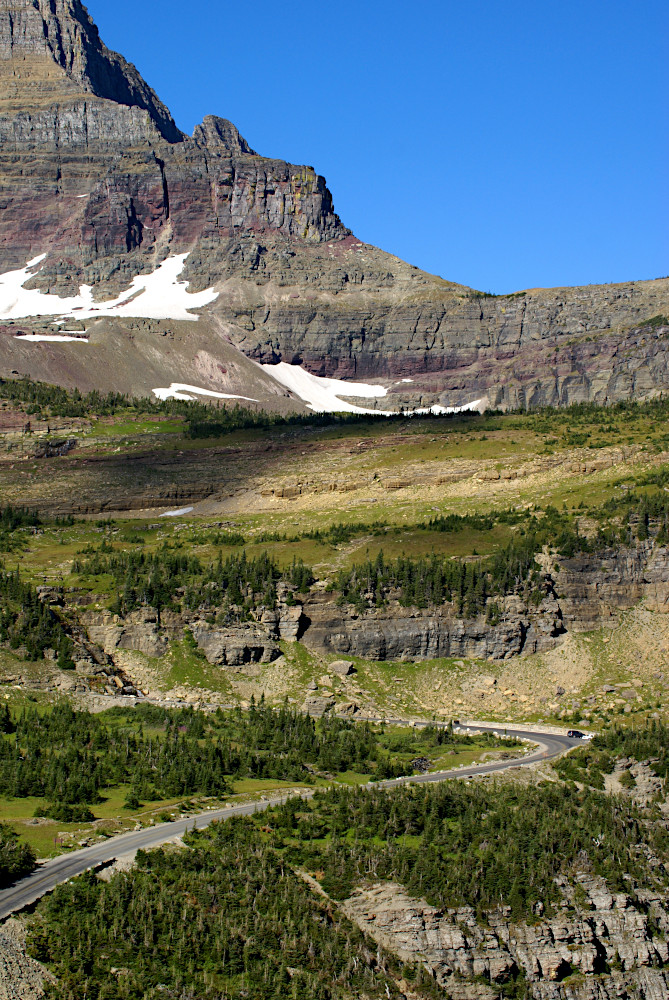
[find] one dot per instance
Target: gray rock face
(286, 622)
(411, 634)
(608, 931)
(62, 32)
(592, 586)
(235, 647)
(586, 591)
(139, 632)
(84, 123)
(218, 134)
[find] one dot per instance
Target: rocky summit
(98, 182)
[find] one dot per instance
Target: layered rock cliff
(602, 946)
(581, 593)
(95, 173)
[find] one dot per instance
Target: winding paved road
(66, 866)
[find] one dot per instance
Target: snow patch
(322, 394)
(180, 390)
(150, 296)
(51, 337)
(177, 513)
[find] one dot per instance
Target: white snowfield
(150, 296)
(322, 395)
(180, 390)
(162, 296)
(55, 338)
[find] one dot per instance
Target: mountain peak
(62, 32)
(219, 133)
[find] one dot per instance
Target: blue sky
(504, 145)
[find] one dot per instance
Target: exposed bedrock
(409, 634)
(584, 593)
(607, 948)
(562, 349)
(231, 646)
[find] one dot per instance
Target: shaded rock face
(235, 647)
(608, 931)
(285, 622)
(591, 587)
(94, 172)
(410, 634)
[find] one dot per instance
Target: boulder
(343, 668)
(316, 706)
(347, 708)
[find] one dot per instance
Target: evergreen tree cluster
(341, 533)
(226, 919)
(70, 758)
(27, 621)
(479, 846)
(643, 514)
(166, 578)
(435, 580)
(232, 916)
(588, 765)
(16, 860)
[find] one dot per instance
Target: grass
(182, 666)
(105, 428)
(253, 786)
(237, 466)
(50, 837)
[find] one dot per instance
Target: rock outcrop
(592, 587)
(608, 945)
(582, 593)
(235, 647)
(399, 633)
(139, 631)
(95, 173)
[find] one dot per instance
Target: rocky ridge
(94, 172)
(582, 593)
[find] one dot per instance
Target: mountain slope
(95, 175)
